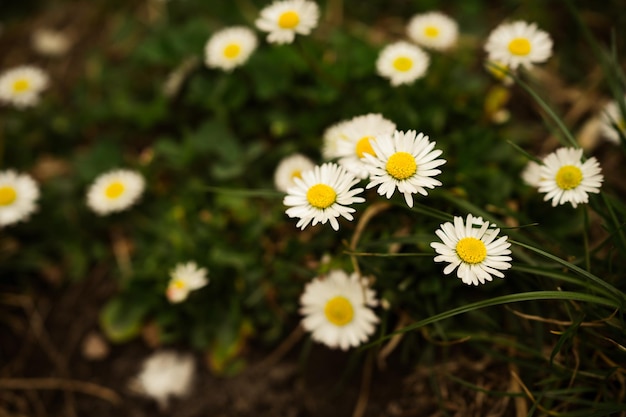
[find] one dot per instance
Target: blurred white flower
(230, 48)
(164, 375)
(289, 168)
(18, 197)
(337, 310)
(50, 42)
(115, 191)
(284, 19)
(532, 174)
(612, 122)
(21, 86)
(185, 278)
(518, 44)
(359, 132)
(402, 63)
(433, 30)
(333, 136)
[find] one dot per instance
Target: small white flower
(532, 174)
(185, 278)
(406, 161)
(402, 63)
(612, 122)
(115, 191)
(18, 197)
(50, 42)
(284, 19)
(565, 178)
(165, 375)
(289, 168)
(358, 133)
(21, 86)
(337, 310)
(433, 30)
(333, 136)
(518, 44)
(321, 195)
(474, 250)
(230, 48)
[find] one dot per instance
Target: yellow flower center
(431, 31)
(114, 190)
(402, 64)
(339, 311)
(568, 177)
(471, 250)
(232, 51)
(519, 46)
(401, 165)
(288, 20)
(296, 173)
(364, 146)
(7, 195)
(19, 86)
(321, 196)
(179, 284)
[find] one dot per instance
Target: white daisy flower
(358, 133)
(532, 174)
(18, 197)
(289, 168)
(337, 310)
(406, 161)
(333, 136)
(185, 278)
(518, 44)
(230, 48)
(402, 63)
(474, 250)
(611, 119)
(165, 375)
(433, 30)
(565, 178)
(115, 191)
(321, 195)
(21, 86)
(284, 19)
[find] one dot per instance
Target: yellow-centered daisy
(358, 133)
(289, 168)
(403, 160)
(402, 63)
(184, 278)
(612, 122)
(474, 249)
(337, 310)
(284, 19)
(115, 191)
(333, 136)
(230, 48)
(565, 178)
(433, 30)
(518, 44)
(322, 195)
(22, 86)
(18, 197)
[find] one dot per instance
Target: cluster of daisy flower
(403, 62)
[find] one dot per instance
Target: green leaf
(121, 319)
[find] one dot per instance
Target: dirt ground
(48, 368)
